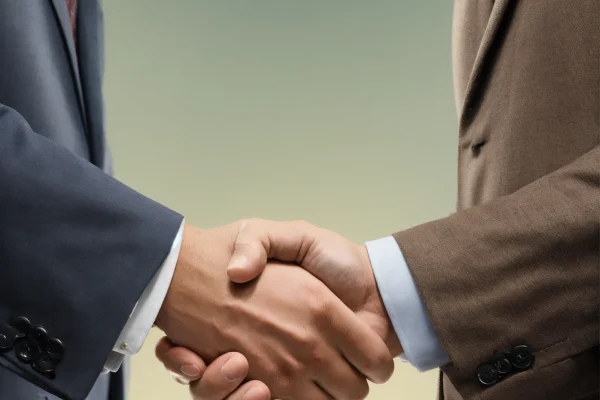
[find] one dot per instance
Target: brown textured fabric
(519, 261)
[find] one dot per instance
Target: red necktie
(72, 7)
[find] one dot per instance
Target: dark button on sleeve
(38, 335)
(32, 345)
(521, 357)
(45, 365)
(7, 337)
(487, 374)
(55, 349)
(27, 351)
(21, 324)
(501, 363)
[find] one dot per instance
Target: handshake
(293, 307)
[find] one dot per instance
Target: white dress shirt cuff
(404, 306)
(145, 311)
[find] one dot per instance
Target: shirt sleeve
(403, 303)
(144, 314)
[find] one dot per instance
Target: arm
(523, 268)
(77, 249)
(144, 314)
(403, 304)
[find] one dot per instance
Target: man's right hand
(299, 338)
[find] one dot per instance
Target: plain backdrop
(339, 112)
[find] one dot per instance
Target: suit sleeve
(521, 270)
(77, 249)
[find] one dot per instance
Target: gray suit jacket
(77, 248)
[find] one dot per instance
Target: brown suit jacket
(518, 263)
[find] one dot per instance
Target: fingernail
(234, 369)
(180, 380)
(239, 262)
(190, 370)
(256, 393)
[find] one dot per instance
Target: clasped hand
(312, 329)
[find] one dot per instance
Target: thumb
(250, 253)
(259, 240)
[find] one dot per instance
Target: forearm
(144, 314)
(523, 268)
(412, 325)
(77, 249)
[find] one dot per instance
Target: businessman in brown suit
(509, 282)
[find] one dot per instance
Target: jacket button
(5, 342)
(487, 374)
(501, 363)
(521, 357)
(21, 324)
(27, 351)
(38, 335)
(55, 349)
(44, 363)
(7, 337)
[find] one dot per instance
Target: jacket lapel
(62, 16)
(482, 59)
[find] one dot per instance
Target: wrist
(184, 260)
(377, 307)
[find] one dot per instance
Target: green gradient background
(337, 112)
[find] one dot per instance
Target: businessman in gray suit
(88, 265)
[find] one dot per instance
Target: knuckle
(253, 221)
(303, 224)
(204, 392)
(312, 350)
(268, 369)
(371, 363)
(290, 370)
(159, 351)
(380, 363)
(280, 377)
(318, 358)
(383, 356)
(248, 233)
(284, 386)
(247, 225)
(165, 354)
(361, 391)
(320, 307)
(242, 224)
(307, 344)
(244, 221)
